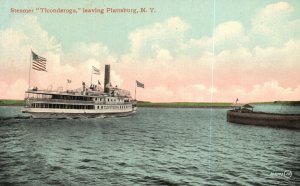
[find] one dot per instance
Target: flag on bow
(38, 62)
(139, 84)
(95, 70)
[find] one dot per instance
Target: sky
(185, 51)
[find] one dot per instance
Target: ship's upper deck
(114, 92)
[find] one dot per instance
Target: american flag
(139, 84)
(38, 62)
(96, 71)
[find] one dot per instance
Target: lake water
(156, 146)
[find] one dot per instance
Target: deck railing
(77, 101)
(60, 100)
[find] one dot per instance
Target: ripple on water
(153, 180)
(86, 160)
(154, 147)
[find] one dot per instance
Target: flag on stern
(96, 71)
(38, 62)
(139, 84)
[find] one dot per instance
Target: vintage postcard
(143, 92)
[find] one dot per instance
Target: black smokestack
(107, 79)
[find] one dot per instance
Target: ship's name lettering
(14, 10)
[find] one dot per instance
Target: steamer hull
(43, 114)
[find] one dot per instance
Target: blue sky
(70, 29)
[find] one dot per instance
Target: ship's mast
(30, 59)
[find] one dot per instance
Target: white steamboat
(85, 102)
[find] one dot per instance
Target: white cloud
(161, 93)
(12, 91)
(85, 51)
(168, 34)
(116, 79)
(274, 25)
(231, 30)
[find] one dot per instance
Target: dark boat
(248, 117)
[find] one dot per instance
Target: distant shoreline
(184, 105)
(11, 102)
(7, 102)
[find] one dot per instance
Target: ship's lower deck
(76, 113)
